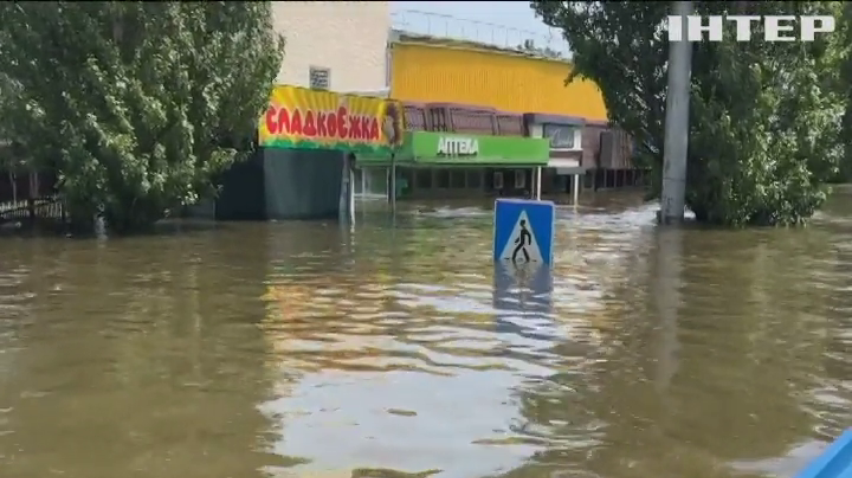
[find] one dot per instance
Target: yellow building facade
(429, 70)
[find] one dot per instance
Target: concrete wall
(349, 38)
(425, 73)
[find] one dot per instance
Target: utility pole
(677, 123)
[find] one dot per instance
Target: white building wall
(349, 38)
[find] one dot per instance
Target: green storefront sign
(429, 148)
(447, 149)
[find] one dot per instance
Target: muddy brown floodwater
(307, 350)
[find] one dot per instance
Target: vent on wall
(320, 78)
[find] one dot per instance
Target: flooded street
(309, 350)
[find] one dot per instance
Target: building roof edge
(404, 37)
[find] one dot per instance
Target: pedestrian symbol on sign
(522, 244)
(524, 239)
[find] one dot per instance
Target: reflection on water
(398, 349)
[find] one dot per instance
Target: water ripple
(306, 349)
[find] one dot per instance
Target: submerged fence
(29, 196)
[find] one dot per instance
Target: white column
(537, 186)
(351, 195)
(392, 184)
(575, 188)
(345, 203)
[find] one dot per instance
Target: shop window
(561, 136)
(424, 178)
(498, 180)
(520, 179)
(442, 178)
(457, 178)
(474, 179)
(376, 181)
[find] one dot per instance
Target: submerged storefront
(444, 165)
(307, 139)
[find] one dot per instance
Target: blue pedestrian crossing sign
(524, 230)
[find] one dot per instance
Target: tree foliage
(765, 118)
(137, 106)
(844, 85)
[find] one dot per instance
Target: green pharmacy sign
(447, 149)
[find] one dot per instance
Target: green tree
(138, 106)
(844, 84)
(765, 117)
(11, 164)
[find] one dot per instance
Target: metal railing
(47, 207)
(449, 26)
